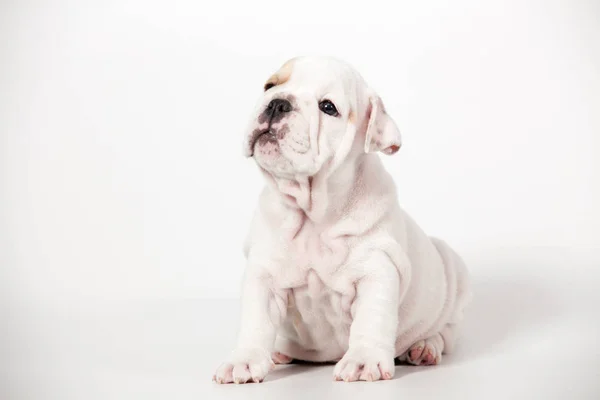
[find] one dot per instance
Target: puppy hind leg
(429, 351)
(425, 352)
(280, 358)
(449, 335)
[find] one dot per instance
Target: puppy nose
(278, 107)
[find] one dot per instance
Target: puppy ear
(382, 133)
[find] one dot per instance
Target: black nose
(278, 107)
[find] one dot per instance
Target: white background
(122, 176)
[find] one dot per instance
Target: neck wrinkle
(324, 197)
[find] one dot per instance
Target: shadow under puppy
(336, 270)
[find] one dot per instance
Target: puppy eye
(328, 108)
(269, 85)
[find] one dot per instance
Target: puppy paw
(279, 358)
(245, 366)
(364, 364)
(426, 352)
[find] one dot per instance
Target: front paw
(365, 364)
(245, 366)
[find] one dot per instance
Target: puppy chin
(269, 155)
(267, 147)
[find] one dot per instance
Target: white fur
(336, 270)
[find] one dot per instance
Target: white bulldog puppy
(336, 270)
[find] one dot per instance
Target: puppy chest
(316, 323)
(317, 316)
(313, 248)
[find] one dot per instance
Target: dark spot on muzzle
(282, 131)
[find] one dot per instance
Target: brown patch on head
(282, 76)
(351, 117)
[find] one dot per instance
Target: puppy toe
(280, 358)
(425, 352)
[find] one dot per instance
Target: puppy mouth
(260, 133)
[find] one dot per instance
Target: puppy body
(336, 270)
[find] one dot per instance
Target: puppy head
(316, 110)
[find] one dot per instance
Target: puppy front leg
(261, 314)
(370, 354)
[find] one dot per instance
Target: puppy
(336, 270)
